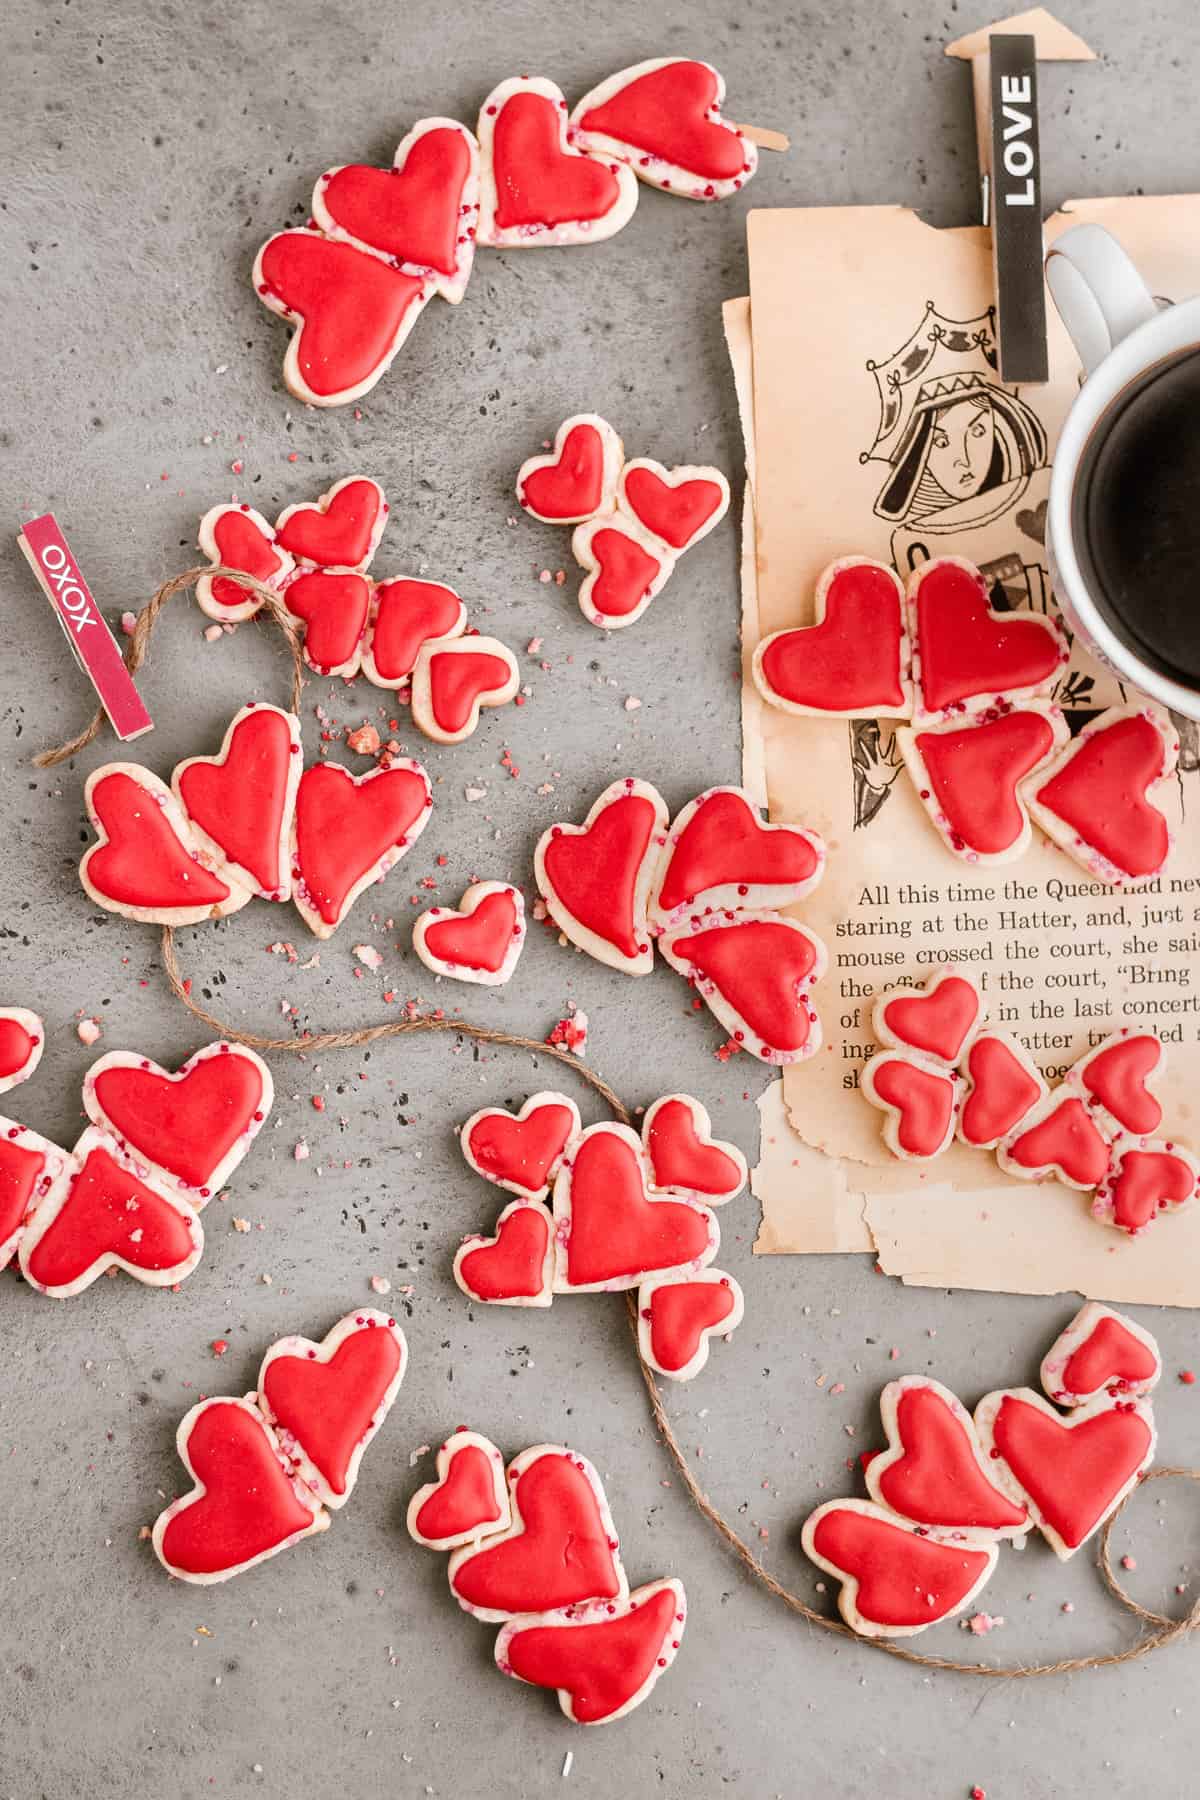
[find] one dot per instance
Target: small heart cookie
(341, 530)
(1056, 1137)
(1001, 1084)
(1145, 1177)
(521, 1153)
(1100, 1352)
(332, 606)
(971, 778)
(479, 942)
(919, 1098)
(663, 117)
(720, 853)
(625, 567)
(234, 536)
(515, 1267)
(679, 1313)
(677, 506)
(469, 1499)
(896, 1580)
(755, 972)
(934, 1472)
(684, 1157)
(938, 1020)
(405, 616)
(536, 188)
(577, 480)
(595, 878)
(453, 677)
(1117, 1079)
(146, 863)
(603, 1657)
(22, 1041)
(855, 660)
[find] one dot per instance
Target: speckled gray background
(147, 151)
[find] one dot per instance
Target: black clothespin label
(1016, 209)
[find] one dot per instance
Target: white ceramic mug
(1120, 332)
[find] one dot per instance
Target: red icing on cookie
(463, 1499)
(680, 1158)
(1110, 1353)
(853, 659)
(240, 798)
(1115, 1077)
(478, 940)
(458, 680)
(614, 1232)
(187, 1124)
(763, 970)
(938, 1021)
(938, 1480)
(413, 212)
(144, 863)
(339, 535)
(1145, 1183)
(407, 615)
(725, 843)
(249, 1507)
(572, 487)
(923, 1098)
(109, 1213)
(595, 871)
(604, 1664)
(329, 1407)
(538, 183)
(354, 310)
(966, 651)
(333, 606)
(1073, 1473)
(905, 1580)
(625, 573)
(21, 1170)
(241, 545)
(511, 1266)
(680, 1313)
(1066, 1139)
(520, 1153)
(17, 1045)
(563, 1555)
(345, 829)
(1002, 1093)
(665, 114)
(1099, 794)
(974, 772)
(673, 511)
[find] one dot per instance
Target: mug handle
(1099, 294)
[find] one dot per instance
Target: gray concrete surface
(147, 151)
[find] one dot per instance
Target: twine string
(1160, 1629)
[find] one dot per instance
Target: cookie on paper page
(29, 1166)
(939, 1019)
(755, 972)
(515, 1266)
(624, 565)
(239, 803)
(971, 777)
(468, 1501)
(663, 117)
(453, 678)
(678, 506)
(1101, 1351)
(967, 656)
(146, 863)
(1145, 1178)
(22, 1041)
(603, 1658)
(340, 530)
(348, 831)
(1118, 1081)
(421, 213)
(521, 1152)
(326, 1401)
(855, 660)
(721, 853)
(235, 536)
(535, 188)
(918, 1097)
(1058, 1137)
(1001, 1084)
(1098, 798)
(595, 878)
(481, 941)
(896, 1579)
(679, 1313)
(577, 479)
(934, 1472)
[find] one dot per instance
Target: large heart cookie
(535, 188)
(896, 1579)
(755, 972)
(577, 479)
(966, 655)
(663, 118)
(603, 1658)
(611, 1231)
(469, 1499)
(679, 1313)
(854, 660)
(1098, 799)
(933, 1472)
(348, 831)
(239, 802)
(146, 863)
(595, 877)
(970, 778)
(341, 530)
(721, 853)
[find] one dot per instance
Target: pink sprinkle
(1129, 1562)
(1066, 1607)
(238, 466)
(365, 741)
(128, 623)
(318, 1103)
(369, 956)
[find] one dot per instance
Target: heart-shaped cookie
(677, 506)
(603, 1658)
(721, 853)
(243, 1505)
(854, 661)
(1001, 1083)
(939, 1020)
(1100, 1352)
(187, 1131)
(22, 1040)
(970, 778)
(469, 1499)
(453, 677)
(577, 480)
(933, 1472)
(325, 1402)
(521, 1153)
(332, 606)
(535, 188)
(966, 655)
(341, 530)
(895, 1580)
(29, 1165)
(611, 1231)
(1098, 799)
(1072, 1471)
(348, 831)
(1056, 1137)
(560, 1549)
(239, 802)
(352, 311)
(421, 212)
(918, 1098)
(1145, 1177)
(595, 877)
(678, 1314)
(515, 1267)
(624, 569)
(663, 118)
(146, 864)
(755, 972)
(1117, 1079)
(405, 615)
(479, 942)
(683, 1155)
(96, 1215)
(234, 536)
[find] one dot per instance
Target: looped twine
(1161, 1629)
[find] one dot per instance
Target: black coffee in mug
(1136, 516)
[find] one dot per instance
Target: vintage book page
(880, 426)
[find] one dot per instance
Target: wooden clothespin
(1004, 59)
